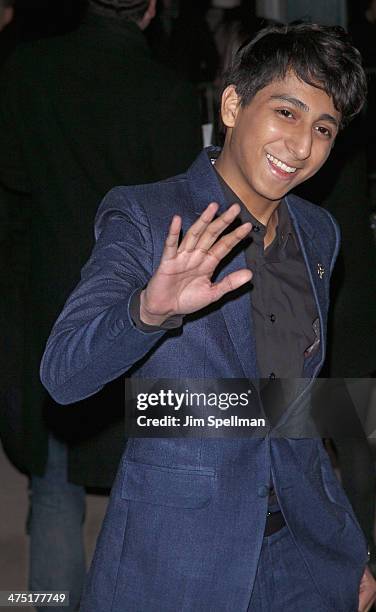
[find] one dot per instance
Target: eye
(324, 131)
(285, 113)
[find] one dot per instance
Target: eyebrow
(302, 106)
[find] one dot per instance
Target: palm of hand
(182, 284)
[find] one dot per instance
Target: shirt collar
(284, 229)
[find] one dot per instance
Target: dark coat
(186, 517)
(79, 114)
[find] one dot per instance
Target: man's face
(280, 139)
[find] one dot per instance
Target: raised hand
(182, 283)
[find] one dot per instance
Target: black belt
(274, 522)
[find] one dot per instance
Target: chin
(274, 192)
(274, 196)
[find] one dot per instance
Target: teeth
(277, 162)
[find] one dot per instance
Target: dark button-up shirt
(283, 306)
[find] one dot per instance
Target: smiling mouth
(280, 166)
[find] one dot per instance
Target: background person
(79, 113)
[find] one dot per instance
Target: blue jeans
(282, 581)
(57, 557)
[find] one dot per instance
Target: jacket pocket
(165, 486)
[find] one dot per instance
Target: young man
(188, 525)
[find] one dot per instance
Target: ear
(148, 15)
(6, 17)
(230, 106)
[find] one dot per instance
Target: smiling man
(224, 524)
(281, 138)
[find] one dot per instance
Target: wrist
(148, 317)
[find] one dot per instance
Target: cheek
(256, 134)
(319, 154)
(274, 131)
(316, 162)
(265, 134)
(320, 157)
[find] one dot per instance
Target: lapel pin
(320, 270)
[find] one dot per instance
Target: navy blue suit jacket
(186, 518)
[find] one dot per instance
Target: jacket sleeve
(94, 339)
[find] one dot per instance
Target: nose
(299, 143)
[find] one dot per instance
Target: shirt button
(272, 317)
(263, 491)
(256, 228)
(272, 376)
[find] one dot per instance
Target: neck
(262, 209)
(271, 229)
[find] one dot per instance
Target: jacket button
(263, 491)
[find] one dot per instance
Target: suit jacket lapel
(205, 188)
(306, 236)
(237, 313)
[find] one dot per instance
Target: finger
(230, 283)
(172, 240)
(227, 243)
(195, 231)
(216, 227)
